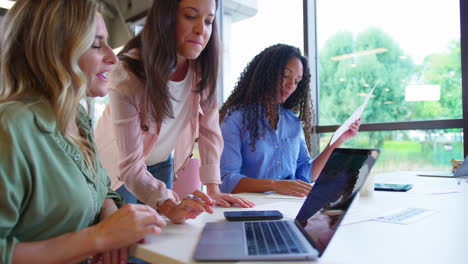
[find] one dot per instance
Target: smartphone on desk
(253, 215)
(392, 187)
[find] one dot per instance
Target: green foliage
(445, 70)
(403, 153)
(345, 82)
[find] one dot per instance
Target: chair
(189, 179)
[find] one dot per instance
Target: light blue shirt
(281, 154)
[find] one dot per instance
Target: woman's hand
(189, 208)
(292, 187)
(125, 227)
(176, 196)
(351, 132)
(113, 256)
(119, 255)
(225, 199)
(116, 256)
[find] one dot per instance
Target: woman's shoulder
(19, 115)
(122, 79)
(291, 115)
(234, 116)
(16, 111)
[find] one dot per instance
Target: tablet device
(393, 187)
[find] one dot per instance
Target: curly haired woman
(263, 124)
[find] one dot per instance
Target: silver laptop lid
(462, 169)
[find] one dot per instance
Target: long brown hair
(256, 90)
(40, 46)
(157, 58)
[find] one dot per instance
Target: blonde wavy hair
(40, 45)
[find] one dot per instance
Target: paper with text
(406, 216)
(354, 116)
(282, 196)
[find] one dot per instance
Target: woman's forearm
(212, 188)
(321, 160)
(108, 208)
(253, 185)
(68, 248)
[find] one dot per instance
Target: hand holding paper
(354, 116)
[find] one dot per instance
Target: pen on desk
(191, 196)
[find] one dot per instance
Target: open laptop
(307, 236)
(461, 171)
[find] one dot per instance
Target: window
(411, 52)
(250, 26)
(403, 150)
(411, 58)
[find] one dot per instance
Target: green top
(45, 188)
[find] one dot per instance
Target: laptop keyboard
(271, 237)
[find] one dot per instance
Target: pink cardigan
(125, 137)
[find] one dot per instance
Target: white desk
(439, 238)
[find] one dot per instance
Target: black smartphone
(393, 187)
(252, 215)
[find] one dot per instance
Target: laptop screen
(330, 198)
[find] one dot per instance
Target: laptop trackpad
(221, 240)
(229, 233)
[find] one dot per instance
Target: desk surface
(439, 238)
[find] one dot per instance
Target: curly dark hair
(256, 90)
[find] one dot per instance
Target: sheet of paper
(406, 216)
(363, 214)
(354, 116)
(282, 196)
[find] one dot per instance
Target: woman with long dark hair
(162, 102)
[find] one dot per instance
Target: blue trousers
(161, 171)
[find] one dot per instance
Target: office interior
(415, 118)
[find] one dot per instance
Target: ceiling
(117, 14)
(121, 15)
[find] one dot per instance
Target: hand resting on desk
(117, 227)
(189, 208)
(292, 187)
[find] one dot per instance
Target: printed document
(354, 116)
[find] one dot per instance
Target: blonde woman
(56, 205)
